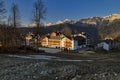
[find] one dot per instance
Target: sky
(66, 9)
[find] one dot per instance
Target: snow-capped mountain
(60, 22)
(112, 17)
(98, 20)
(69, 21)
(48, 24)
(65, 21)
(90, 21)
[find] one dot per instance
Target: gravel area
(33, 69)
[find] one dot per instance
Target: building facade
(107, 44)
(58, 40)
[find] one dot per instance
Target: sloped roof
(56, 37)
(79, 38)
(60, 36)
(108, 41)
(76, 38)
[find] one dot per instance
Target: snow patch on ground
(44, 57)
(50, 50)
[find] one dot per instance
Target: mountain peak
(48, 24)
(59, 22)
(92, 20)
(112, 17)
(67, 20)
(95, 20)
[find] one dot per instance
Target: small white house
(28, 38)
(106, 44)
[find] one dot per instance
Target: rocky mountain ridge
(96, 20)
(107, 26)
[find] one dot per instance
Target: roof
(76, 38)
(79, 38)
(56, 37)
(60, 36)
(108, 41)
(69, 37)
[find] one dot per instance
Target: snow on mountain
(91, 21)
(67, 20)
(98, 20)
(64, 21)
(112, 17)
(59, 22)
(32, 25)
(48, 24)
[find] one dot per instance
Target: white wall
(72, 45)
(76, 45)
(100, 45)
(27, 42)
(104, 46)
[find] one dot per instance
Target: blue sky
(71, 9)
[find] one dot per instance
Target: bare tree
(2, 26)
(15, 22)
(2, 10)
(39, 11)
(67, 31)
(15, 16)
